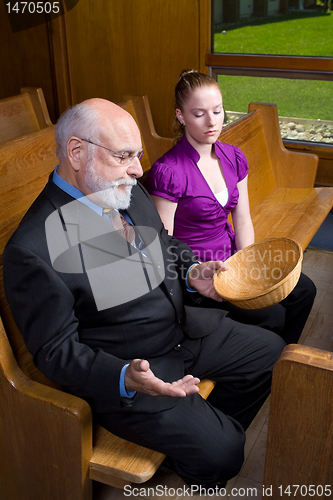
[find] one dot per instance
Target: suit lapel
(142, 211)
(139, 208)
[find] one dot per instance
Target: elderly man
(97, 288)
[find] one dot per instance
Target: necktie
(121, 225)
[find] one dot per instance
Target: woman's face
(202, 115)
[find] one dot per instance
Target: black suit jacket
(74, 342)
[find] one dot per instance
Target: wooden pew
(49, 447)
(23, 114)
(24, 167)
(300, 427)
(283, 199)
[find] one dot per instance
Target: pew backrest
(22, 114)
(25, 164)
(156, 145)
(271, 165)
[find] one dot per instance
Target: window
(277, 51)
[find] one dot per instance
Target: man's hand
(201, 278)
(140, 378)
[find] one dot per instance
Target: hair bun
(186, 72)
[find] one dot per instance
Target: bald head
(93, 119)
(107, 108)
(115, 125)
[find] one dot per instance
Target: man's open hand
(140, 378)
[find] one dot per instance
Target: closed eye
(129, 156)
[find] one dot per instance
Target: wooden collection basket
(261, 274)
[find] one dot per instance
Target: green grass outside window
(302, 33)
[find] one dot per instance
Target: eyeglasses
(124, 158)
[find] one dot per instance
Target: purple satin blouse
(200, 220)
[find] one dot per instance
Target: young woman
(199, 182)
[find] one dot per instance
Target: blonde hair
(188, 81)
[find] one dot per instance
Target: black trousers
(204, 440)
(287, 318)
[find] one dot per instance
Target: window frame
(296, 67)
(278, 66)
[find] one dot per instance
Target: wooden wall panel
(25, 61)
(134, 47)
(108, 48)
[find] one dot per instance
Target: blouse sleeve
(241, 164)
(164, 180)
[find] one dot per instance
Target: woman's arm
(167, 210)
(241, 218)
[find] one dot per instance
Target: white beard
(107, 191)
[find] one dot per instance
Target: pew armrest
(300, 428)
(38, 102)
(44, 433)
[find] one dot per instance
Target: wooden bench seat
(293, 213)
(47, 438)
(22, 114)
